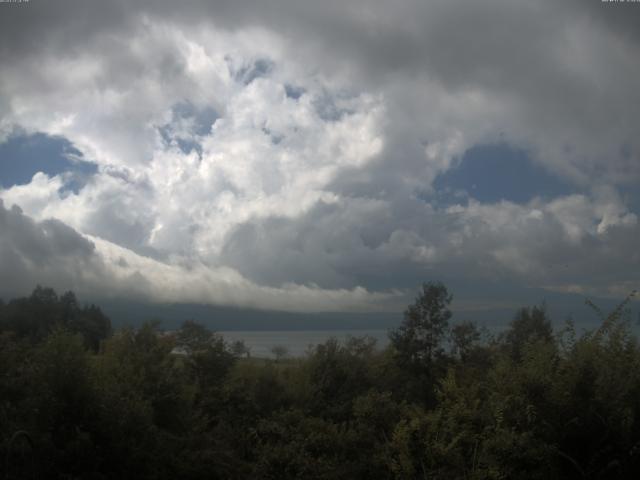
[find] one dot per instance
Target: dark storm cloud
(51, 253)
(49, 250)
(356, 243)
(461, 42)
(59, 27)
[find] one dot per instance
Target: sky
(326, 156)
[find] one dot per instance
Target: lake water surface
(297, 342)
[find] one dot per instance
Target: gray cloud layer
(48, 250)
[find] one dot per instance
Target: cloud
(284, 147)
(49, 251)
(560, 79)
(54, 254)
(575, 240)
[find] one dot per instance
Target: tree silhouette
(418, 340)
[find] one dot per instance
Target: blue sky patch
(260, 68)
(293, 91)
(631, 197)
(203, 118)
(490, 173)
(199, 121)
(22, 156)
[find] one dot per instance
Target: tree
(418, 340)
(36, 316)
(529, 325)
(280, 352)
(240, 349)
(94, 325)
(338, 374)
(463, 338)
(64, 403)
(194, 337)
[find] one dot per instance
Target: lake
(296, 341)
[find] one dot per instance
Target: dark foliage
(35, 317)
(77, 402)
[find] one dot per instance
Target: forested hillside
(444, 400)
